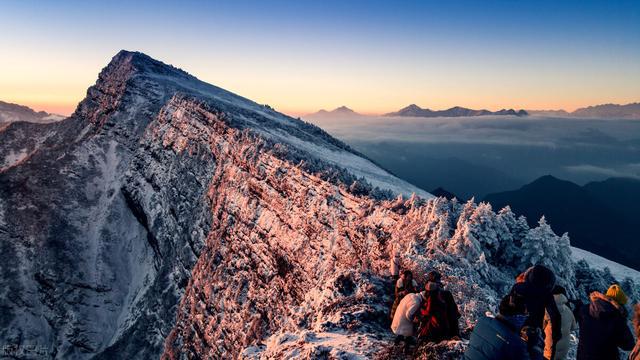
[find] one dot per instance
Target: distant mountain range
(13, 112)
(559, 113)
(600, 217)
(414, 110)
(604, 111)
(341, 111)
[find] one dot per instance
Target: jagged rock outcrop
(76, 270)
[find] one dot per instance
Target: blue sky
(300, 56)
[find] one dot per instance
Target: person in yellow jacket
(568, 324)
(603, 326)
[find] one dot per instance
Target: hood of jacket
(540, 279)
(514, 322)
(602, 306)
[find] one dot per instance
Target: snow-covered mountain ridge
(13, 112)
(168, 217)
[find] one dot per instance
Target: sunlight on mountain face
(365, 180)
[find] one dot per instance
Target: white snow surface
(619, 271)
(356, 165)
(13, 158)
(353, 163)
(310, 344)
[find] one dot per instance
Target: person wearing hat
(536, 285)
(603, 326)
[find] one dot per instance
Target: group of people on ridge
(534, 321)
(430, 315)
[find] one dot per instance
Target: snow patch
(14, 157)
(355, 164)
(619, 271)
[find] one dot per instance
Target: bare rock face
(170, 218)
(76, 263)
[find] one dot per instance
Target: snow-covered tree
(543, 246)
(511, 234)
(439, 223)
(588, 279)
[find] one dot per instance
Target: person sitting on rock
(403, 324)
(506, 337)
(439, 313)
(405, 285)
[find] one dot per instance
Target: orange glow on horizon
(64, 109)
(58, 86)
(68, 107)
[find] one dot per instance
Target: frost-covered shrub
(589, 280)
(542, 246)
(513, 236)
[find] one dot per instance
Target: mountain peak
(139, 62)
(414, 110)
(339, 111)
(343, 109)
(628, 111)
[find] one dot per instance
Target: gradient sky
(300, 56)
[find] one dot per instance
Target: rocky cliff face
(168, 217)
(103, 215)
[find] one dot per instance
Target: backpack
(434, 323)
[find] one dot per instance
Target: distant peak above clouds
(13, 112)
(603, 111)
(628, 111)
(339, 111)
(414, 110)
(560, 113)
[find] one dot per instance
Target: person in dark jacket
(439, 313)
(506, 337)
(603, 326)
(405, 285)
(635, 353)
(536, 285)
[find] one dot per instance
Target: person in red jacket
(439, 312)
